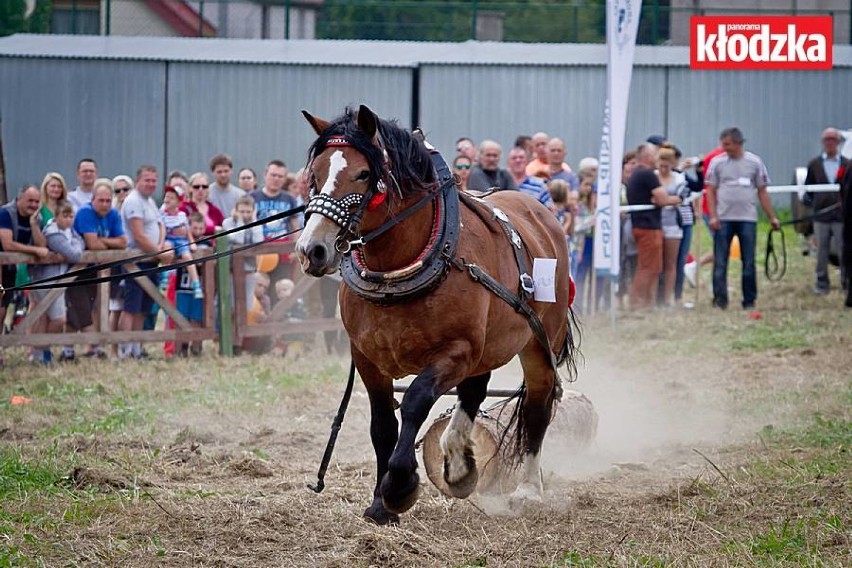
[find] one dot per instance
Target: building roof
(339, 52)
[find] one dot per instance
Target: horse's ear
(319, 125)
(368, 122)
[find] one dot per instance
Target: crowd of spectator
(121, 214)
(664, 194)
(659, 187)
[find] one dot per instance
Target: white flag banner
(622, 22)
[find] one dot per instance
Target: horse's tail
(513, 442)
(570, 350)
(513, 439)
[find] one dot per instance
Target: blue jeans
(685, 244)
(746, 231)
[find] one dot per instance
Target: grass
(180, 454)
(20, 476)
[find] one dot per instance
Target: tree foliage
(13, 20)
(454, 20)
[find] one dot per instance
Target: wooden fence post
(223, 286)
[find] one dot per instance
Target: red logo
(760, 42)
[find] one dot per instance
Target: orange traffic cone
(735, 248)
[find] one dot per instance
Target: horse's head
(360, 169)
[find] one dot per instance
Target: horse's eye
(363, 176)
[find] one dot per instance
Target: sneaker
(125, 350)
(67, 355)
(689, 270)
(718, 303)
(821, 291)
(96, 353)
(197, 292)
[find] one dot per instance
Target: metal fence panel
(781, 113)
(500, 102)
(55, 112)
(253, 112)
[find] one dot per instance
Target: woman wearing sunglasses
(199, 188)
(122, 185)
(461, 169)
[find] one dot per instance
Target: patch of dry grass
(738, 431)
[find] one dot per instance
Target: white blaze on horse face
(319, 227)
(336, 164)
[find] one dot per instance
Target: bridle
(348, 211)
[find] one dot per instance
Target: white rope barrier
(800, 189)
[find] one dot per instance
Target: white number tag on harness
(544, 276)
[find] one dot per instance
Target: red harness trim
(359, 259)
(376, 201)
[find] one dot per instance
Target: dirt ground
(670, 478)
(673, 476)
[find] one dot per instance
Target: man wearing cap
(828, 216)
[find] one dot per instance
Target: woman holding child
(199, 187)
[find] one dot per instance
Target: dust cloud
(645, 420)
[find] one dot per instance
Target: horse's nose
(317, 254)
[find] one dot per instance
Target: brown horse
(413, 303)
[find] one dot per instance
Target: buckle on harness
(527, 283)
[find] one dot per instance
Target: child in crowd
(61, 239)
(297, 312)
(197, 226)
(182, 294)
(179, 237)
(259, 313)
(565, 200)
(243, 214)
(584, 226)
(284, 289)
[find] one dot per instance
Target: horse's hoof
(526, 495)
(399, 500)
(377, 514)
(462, 488)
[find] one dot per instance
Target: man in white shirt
(145, 233)
(87, 173)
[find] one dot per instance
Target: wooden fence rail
(231, 294)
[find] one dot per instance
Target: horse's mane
(410, 163)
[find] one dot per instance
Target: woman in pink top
(199, 187)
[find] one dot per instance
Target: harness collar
(430, 267)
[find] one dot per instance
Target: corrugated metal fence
(124, 107)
